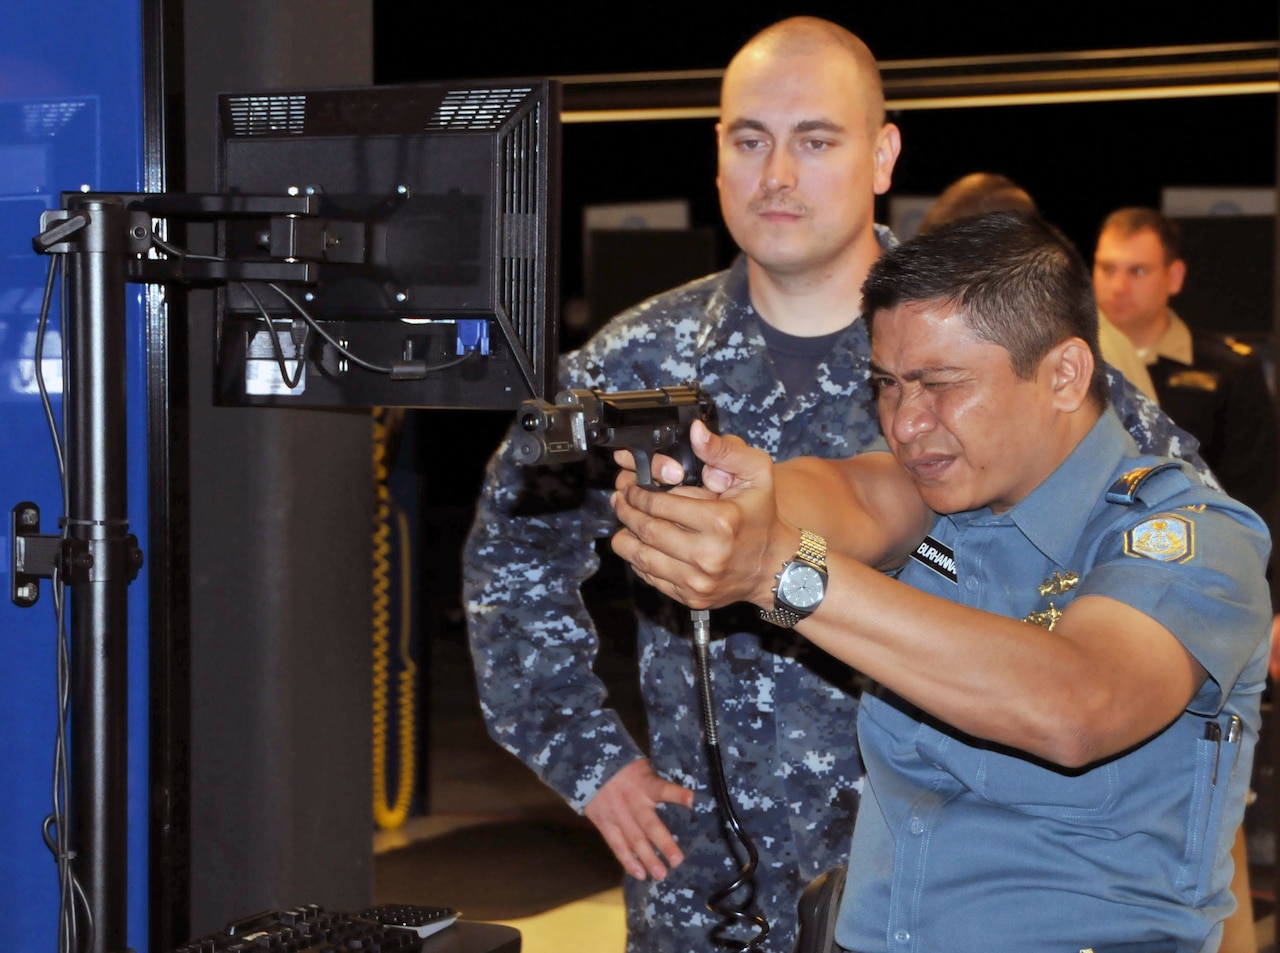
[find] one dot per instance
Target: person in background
(1068, 669)
(1211, 384)
(979, 193)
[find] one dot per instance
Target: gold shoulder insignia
(1167, 537)
(1123, 490)
(1195, 507)
(1193, 379)
(1240, 347)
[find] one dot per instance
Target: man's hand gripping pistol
(646, 422)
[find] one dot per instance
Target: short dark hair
(979, 193)
(1016, 280)
(1135, 218)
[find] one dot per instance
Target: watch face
(801, 586)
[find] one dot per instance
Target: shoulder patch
(1124, 489)
(1166, 537)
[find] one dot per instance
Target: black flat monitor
(1230, 284)
(426, 255)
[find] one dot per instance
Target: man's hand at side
(624, 810)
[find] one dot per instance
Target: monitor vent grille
(523, 292)
(478, 109)
(268, 115)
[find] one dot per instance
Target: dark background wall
(1080, 161)
(669, 34)
(278, 515)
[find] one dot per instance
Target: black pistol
(645, 422)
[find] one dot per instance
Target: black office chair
(817, 910)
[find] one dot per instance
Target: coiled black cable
(735, 915)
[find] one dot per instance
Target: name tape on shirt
(937, 557)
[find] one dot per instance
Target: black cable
(315, 326)
(312, 323)
(182, 254)
(71, 896)
(54, 830)
(41, 327)
(735, 915)
(299, 347)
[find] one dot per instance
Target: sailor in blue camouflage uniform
(783, 708)
(782, 704)
(1066, 692)
(775, 340)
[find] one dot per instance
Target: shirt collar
(1174, 344)
(731, 350)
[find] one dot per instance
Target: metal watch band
(782, 616)
(813, 550)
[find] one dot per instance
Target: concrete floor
(472, 781)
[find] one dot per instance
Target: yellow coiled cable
(389, 817)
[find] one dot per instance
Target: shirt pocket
(1037, 788)
(1217, 756)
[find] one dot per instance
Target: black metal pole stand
(98, 556)
(105, 238)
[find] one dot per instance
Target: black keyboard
(312, 929)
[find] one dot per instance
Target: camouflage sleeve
(1152, 429)
(533, 544)
(533, 643)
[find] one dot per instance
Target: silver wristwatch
(801, 584)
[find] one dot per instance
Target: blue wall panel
(70, 115)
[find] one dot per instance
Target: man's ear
(719, 147)
(887, 148)
(1177, 275)
(1071, 364)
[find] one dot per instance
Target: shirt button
(917, 826)
(971, 584)
(902, 936)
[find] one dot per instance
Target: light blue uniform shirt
(965, 847)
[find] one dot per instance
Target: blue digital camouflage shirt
(786, 710)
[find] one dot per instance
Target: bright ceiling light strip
(960, 102)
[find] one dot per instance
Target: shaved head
(804, 151)
(807, 36)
